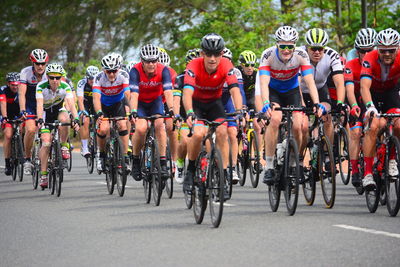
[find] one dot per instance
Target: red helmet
(39, 56)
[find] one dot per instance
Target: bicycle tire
(254, 159)
(120, 167)
(291, 177)
(155, 169)
(90, 159)
(51, 177)
(109, 168)
(372, 196)
(199, 188)
(13, 159)
(230, 171)
(343, 156)
(215, 185)
(36, 164)
(360, 189)
(58, 170)
(240, 165)
(145, 172)
(309, 183)
(69, 161)
(392, 183)
(169, 186)
(20, 158)
(327, 172)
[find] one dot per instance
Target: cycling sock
(192, 165)
(136, 159)
(269, 162)
(84, 142)
(44, 172)
(180, 163)
(163, 161)
(7, 162)
(27, 159)
(102, 154)
(65, 145)
(368, 165)
(354, 166)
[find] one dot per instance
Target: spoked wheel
(90, 158)
(169, 186)
(188, 197)
(36, 164)
(20, 157)
(199, 187)
(292, 172)
(69, 161)
(343, 155)
(57, 169)
(120, 167)
(392, 176)
(254, 159)
(360, 189)
(215, 185)
(241, 168)
(228, 181)
(155, 169)
(309, 183)
(13, 159)
(109, 168)
(274, 191)
(372, 196)
(145, 162)
(52, 181)
(327, 172)
(58, 178)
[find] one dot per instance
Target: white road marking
(366, 230)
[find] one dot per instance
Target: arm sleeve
(166, 79)
(39, 91)
(134, 80)
(80, 88)
(190, 77)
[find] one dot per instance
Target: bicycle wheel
(155, 170)
(20, 157)
(57, 169)
(292, 172)
(36, 164)
(343, 156)
(372, 196)
(169, 187)
(360, 189)
(392, 182)
(309, 183)
(145, 160)
(254, 159)
(109, 168)
(199, 187)
(326, 171)
(215, 184)
(228, 179)
(14, 159)
(90, 159)
(51, 177)
(69, 161)
(120, 167)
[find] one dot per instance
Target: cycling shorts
(229, 108)
(51, 114)
(115, 110)
(386, 100)
(210, 111)
(289, 98)
(152, 108)
(323, 95)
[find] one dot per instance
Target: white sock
(84, 143)
(269, 162)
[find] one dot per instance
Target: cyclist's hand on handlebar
(191, 118)
(40, 122)
(355, 111)
(177, 120)
(133, 116)
(371, 112)
(267, 109)
(75, 124)
(4, 120)
(319, 110)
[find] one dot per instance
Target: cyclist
(110, 87)
(9, 108)
(85, 104)
(279, 70)
(149, 81)
(353, 53)
(204, 79)
(379, 82)
(30, 77)
(50, 97)
(364, 43)
(179, 109)
(229, 108)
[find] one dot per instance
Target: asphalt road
(88, 227)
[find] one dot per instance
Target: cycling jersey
(329, 63)
(227, 98)
(208, 87)
(248, 83)
(384, 78)
(149, 89)
(111, 92)
(86, 91)
(6, 95)
(51, 98)
(284, 76)
(28, 77)
(352, 73)
(178, 87)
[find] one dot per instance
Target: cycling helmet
(111, 61)
(12, 77)
(365, 38)
(55, 68)
(39, 56)
(212, 43)
(248, 57)
(286, 34)
(388, 37)
(227, 53)
(317, 37)
(149, 52)
(91, 72)
(164, 58)
(192, 54)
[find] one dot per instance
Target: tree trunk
(87, 52)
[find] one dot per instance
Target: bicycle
(36, 160)
(17, 151)
(320, 167)
(249, 156)
(169, 183)
(341, 145)
(92, 145)
(114, 162)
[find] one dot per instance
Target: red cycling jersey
(208, 87)
(384, 78)
(149, 89)
(352, 73)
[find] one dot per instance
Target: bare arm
(134, 100)
(96, 102)
(264, 84)
(309, 79)
(71, 106)
(187, 99)
(169, 98)
(338, 79)
(3, 108)
(350, 94)
(21, 96)
(39, 108)
(365, 85)
(237, 97)
(81, 106)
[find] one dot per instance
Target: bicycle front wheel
(109, 168)
(169, 187)
(120, 166)
(20, 158)
(309, 181)
(57, 169)
(145, 172)
(155, 170)
(36, 164)
(216, 184)
(199, 188)
(69, 161)
(392, 188)
(343, 156)
(372, 196)
(254, 159)
(327, 172)
(14, 159)
(292, 172)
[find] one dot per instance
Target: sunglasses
(363, 51)
(286, 46)
(317, 48)
(42, 64)
(150, 61)
(248, 65)
(111, 71)
(210, 54)
(384, 51)
(54, 77)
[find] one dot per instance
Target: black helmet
(212, 43)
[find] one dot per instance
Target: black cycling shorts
(115, 110)
(386, 100)
(51, 114)
(209, 111)
(290, 98)
(323, 95)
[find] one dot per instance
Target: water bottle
(244, 142)
(314, 154)
(280, 152)
(148, 157)
(203, 166)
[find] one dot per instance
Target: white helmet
(164, 58)
(286, 34)
(39, 56)
(317, 37)
(149, 52)
(365, 38)
(111, 61)
(388, 37)
(55, 68)
(227, 53)
(91, 72)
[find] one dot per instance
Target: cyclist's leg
(63, 117)
(8, 133)
(325, 100)
(354, 151)
(30, 130)
(44, 149)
